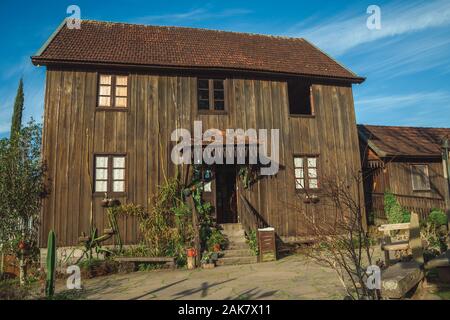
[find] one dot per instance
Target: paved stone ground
(292, 277)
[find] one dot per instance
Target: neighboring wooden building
(406, 161)
(115, 92)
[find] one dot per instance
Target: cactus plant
(51, 263)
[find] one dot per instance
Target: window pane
(299, 173)
(105, 90)
(420, 178)
(101, 174)
(101, 162)
(104, 79)
(101, 186)
(121, 91)
(312, 163)
(119, 162)
(218, 95)
(121, 80)
(219, 105)
(119, 174)
(312, 173)
(313, 184)
(203, 94)
(104, 101)
(298, 162)
(203, 104)
(203, 84)
(121, 102)
(118, 186)
(218, 84)
(299, 183)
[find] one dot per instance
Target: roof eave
(39, 61)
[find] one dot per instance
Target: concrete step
(237, 239)
(237, 246)
(236, 253)
(238, 233)
(229, 227)
(236, 260)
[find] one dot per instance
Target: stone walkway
(292, 277)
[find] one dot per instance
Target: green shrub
(437, 218)
(11, 290)
(395, 213)
(253, 242)
(216, 237)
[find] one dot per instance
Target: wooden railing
(421, 205)
(250, 218)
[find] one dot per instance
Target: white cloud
(391, 102)
(348, 30)
(198, 14)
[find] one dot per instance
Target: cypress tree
(16, 123)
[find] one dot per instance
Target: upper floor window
(211, 94)
(113, 91)
(420, 177)
(306, 173)
(109, 174)
(299, 98)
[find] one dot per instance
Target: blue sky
(406, 62)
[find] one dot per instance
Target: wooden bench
(169, 261)
(399, 279)
(442, 265)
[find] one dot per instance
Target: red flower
(22, 245)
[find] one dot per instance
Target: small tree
(16, 122)
(22, 188)
(341, 241)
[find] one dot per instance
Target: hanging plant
(248, 175)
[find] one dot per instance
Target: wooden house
(115, 92)
(406, 161)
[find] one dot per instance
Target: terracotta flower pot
(104, 203)
(216, 247)
(22, 245)
(191, 252)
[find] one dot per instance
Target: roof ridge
(194, 28)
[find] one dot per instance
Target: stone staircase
(238, 251)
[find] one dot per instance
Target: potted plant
(207, 260)
(105, 201)
(216, 241)
(191, 252)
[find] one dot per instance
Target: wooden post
(446, 170)
(195, 225)
(415, 242)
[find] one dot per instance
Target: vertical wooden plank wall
(74, 131)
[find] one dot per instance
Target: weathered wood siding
(396, 178)
(74, 131)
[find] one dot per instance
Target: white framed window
(113, 91)
(306, 172)
(110, 174)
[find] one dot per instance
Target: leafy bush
(11, 290)
(216, 237)
(166, 228)
(437, 218)
(395, 213)
(434, 232)
(253, 242)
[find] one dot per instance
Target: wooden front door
(226, 200)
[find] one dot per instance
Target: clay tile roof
(389, 141)
(140, 45)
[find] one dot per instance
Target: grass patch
(444, 295)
